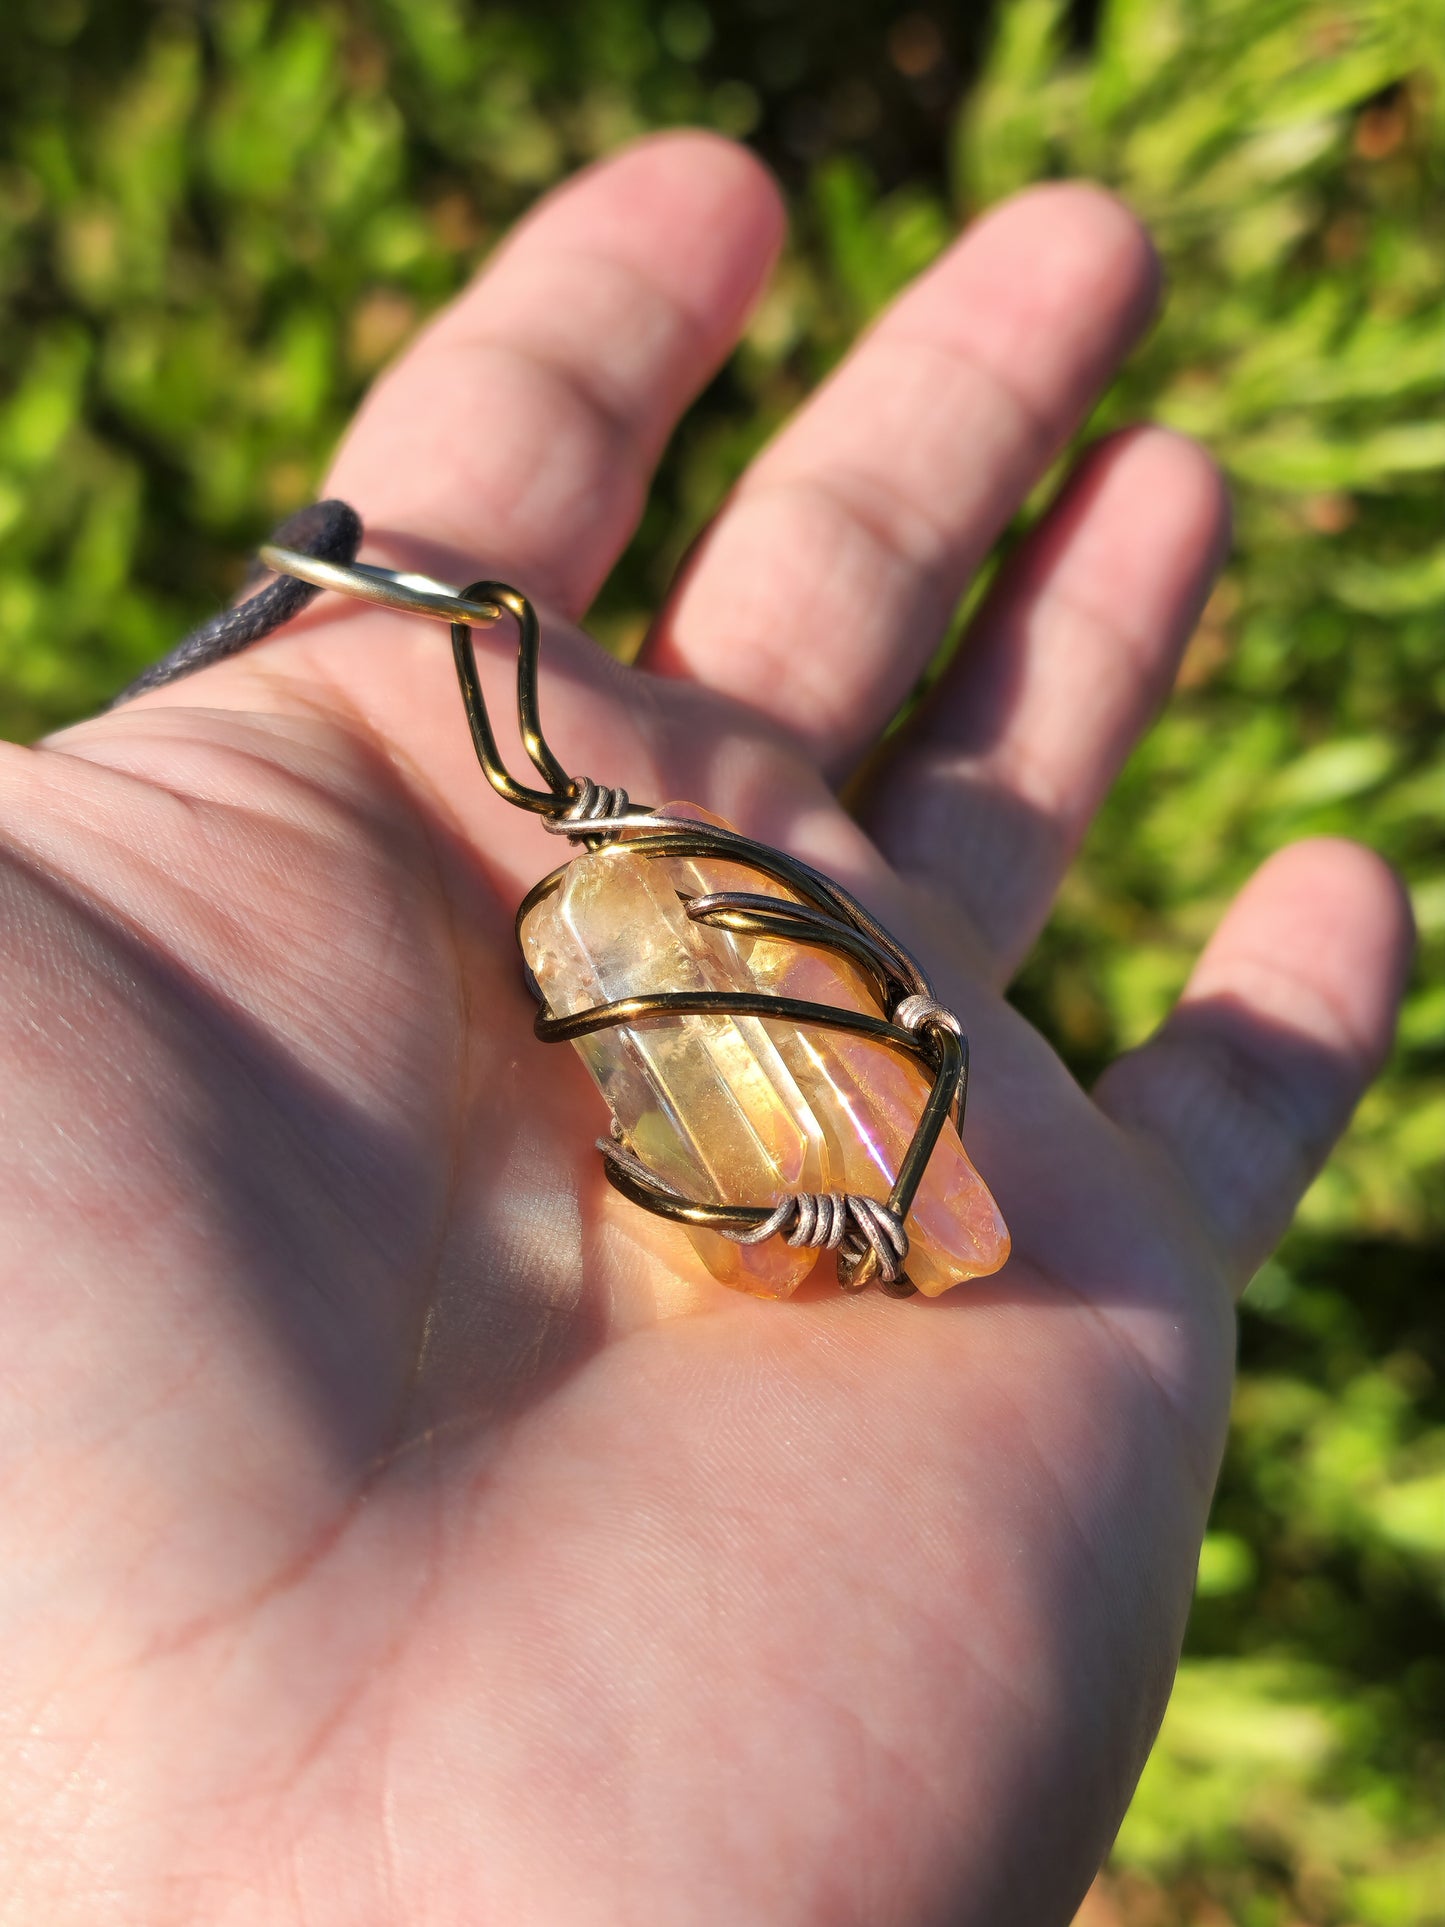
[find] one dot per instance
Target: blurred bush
(218, 220)
(1290, 159)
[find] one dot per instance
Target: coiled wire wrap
(868, 1234)
(838, 1221)
(593, 803)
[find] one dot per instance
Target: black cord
(329, 530)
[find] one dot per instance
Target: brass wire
(824, 916)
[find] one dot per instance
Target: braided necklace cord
(330, 530)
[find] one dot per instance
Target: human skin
(395, 1525)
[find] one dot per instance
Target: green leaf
(1333, 772)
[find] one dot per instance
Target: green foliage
(1289, 158)
(216, 224)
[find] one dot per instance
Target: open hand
(397, 1526)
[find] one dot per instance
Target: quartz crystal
(745, 1110)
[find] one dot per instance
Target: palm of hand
(408, 1529)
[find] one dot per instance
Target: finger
(521, 429)
(830, 575)
(1072, 653)
(1288, 1015)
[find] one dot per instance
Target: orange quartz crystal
(745, 1110)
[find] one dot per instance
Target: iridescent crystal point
(746, 1110)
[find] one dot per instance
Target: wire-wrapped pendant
(713, 1101)
(779, 1075)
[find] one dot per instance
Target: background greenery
(217, 220)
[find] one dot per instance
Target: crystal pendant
(746, 1110)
